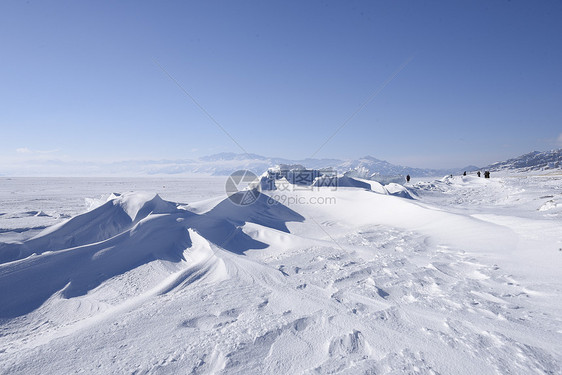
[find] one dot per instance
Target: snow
(533, 161)
(453, 275)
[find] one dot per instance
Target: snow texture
(459, 275)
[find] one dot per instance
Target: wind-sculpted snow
(463, 279)
(261, 212)
(77, 270)
(124, 233)
(106, 221)
(340, 181)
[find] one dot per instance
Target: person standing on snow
(408, 178)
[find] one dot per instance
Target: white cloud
(25, 150)
(559, 140)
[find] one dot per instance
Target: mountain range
(533, 161)
(223, 164)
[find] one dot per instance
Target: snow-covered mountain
(533, 161)
(222, 164)
(226, 163)
(385, 168)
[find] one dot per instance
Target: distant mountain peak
(369, 157)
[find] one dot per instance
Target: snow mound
(282, 178)
(398, 190)
(548, 205)
(119, 213)
(126, 232)
(364, 173)
(340, 181)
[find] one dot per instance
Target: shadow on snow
(78, 255)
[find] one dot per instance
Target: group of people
(486, 175)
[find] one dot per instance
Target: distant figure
(464, 174)
(487, 174)
(408, 178)
(478, 173)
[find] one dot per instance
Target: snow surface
(457, 275)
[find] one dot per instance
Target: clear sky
(79, 79)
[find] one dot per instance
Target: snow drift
(128, 231)
(462, 279)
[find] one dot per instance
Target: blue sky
(80, 82)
